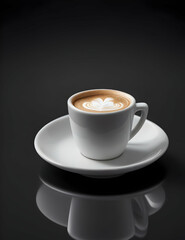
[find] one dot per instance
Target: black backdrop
(52, 49)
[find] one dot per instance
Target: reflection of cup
(108, 209)
(97, 219)
(104, 135)
(140, 214)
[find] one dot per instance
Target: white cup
(104, 136)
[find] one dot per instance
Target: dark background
(52, 49)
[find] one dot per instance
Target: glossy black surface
(52, 49)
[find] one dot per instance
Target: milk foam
(99, 104)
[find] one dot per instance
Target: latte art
(99, 104)
(101, 101)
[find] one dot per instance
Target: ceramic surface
(55, 144)
(104, 135)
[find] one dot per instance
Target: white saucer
(54, 143)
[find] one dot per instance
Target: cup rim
(131, 98)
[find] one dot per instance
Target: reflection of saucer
(54, 143)
(87, 215)
(127, 185)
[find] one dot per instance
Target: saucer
(54, 143)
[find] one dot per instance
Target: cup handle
(143, 107)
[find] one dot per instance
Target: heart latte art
(99, 104)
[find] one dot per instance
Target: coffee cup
(101, 121)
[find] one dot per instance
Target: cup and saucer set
(101, 137)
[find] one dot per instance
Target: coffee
(101, 101)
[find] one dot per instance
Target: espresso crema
(101, 101)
